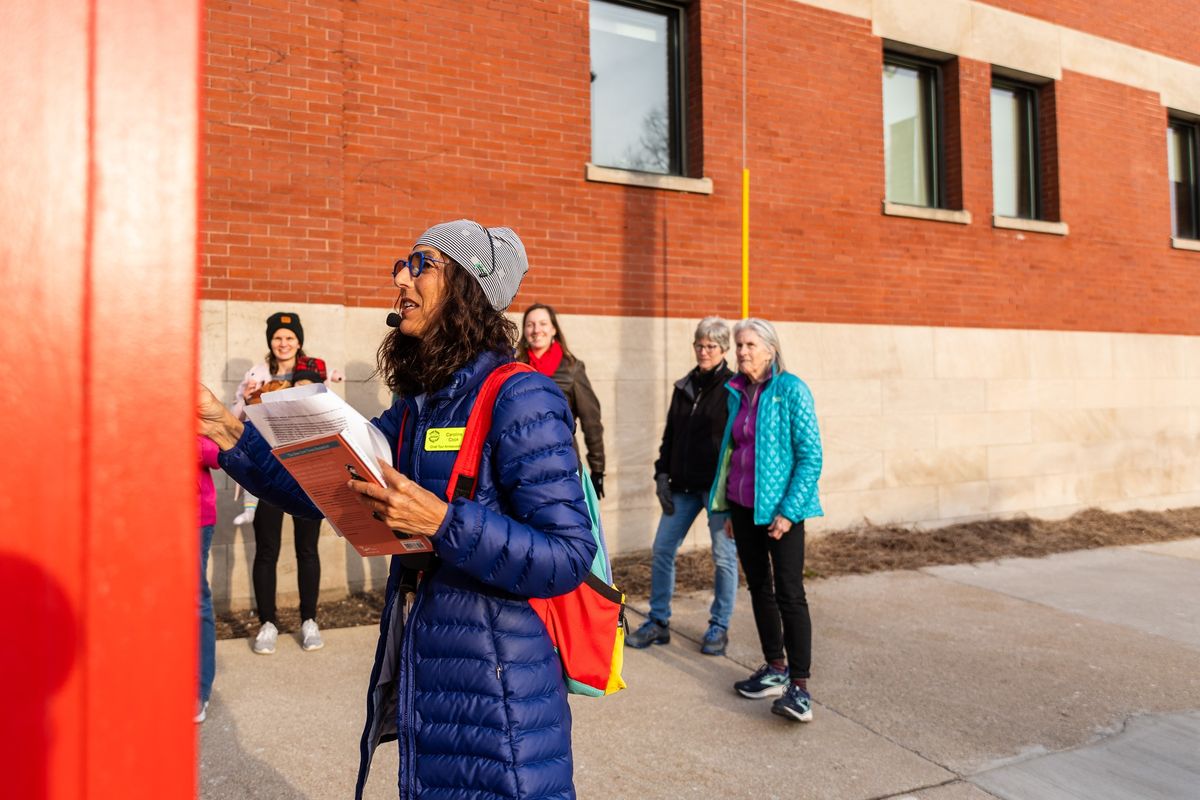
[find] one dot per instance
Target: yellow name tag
(444, 439)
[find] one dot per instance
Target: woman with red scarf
(545, 349)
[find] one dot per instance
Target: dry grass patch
(875, 548)
(870, 548)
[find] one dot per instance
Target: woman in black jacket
(683, 474)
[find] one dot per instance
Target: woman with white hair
(767, 480)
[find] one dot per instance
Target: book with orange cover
(322, 466)
(323, 443)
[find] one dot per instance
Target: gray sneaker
(264, 643)
(716, 639)
(651, 632)
(310, 635)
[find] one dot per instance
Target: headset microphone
(393, 320)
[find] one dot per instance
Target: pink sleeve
(208, 452)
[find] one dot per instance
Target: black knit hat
(285, 319)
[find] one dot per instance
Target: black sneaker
(765, 682)
(715, 640)
(651, 632)
(796, 704)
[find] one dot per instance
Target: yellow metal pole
(745, 242)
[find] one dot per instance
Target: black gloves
(662, 487)
(598, 484)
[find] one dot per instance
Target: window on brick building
(1183, 139)
(637, 69)
(912, 140)
(1016, 187)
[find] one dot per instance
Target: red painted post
(98, 243)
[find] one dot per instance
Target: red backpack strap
(464, 478)
(400, 436)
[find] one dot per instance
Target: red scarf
(548, 362)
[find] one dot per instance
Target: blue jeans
(672, 528)
(208, 623)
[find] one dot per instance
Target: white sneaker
(310, 635)
(244, 518)
(201, 711)
(264, 643)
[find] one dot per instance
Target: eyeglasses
(415, 264)
(706, 348)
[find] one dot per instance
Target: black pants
(268, 529)
(775, 576)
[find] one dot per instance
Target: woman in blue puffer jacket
(767, 479)
(465, 676)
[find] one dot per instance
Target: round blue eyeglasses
(415, 264)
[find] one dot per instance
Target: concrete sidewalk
(1072, 676)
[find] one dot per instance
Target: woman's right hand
(252, 387)
(215, 420)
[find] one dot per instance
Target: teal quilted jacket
(787, 453)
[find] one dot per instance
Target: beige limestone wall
(233, 339)
(923, 426)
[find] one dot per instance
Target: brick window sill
(648, 180)
(1185, 244)
(958, 217)
(1030, 225)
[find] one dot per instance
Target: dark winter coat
(469, 682)
(572, 379)
(695, 423)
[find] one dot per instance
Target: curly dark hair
(409, 365)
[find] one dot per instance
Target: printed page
(294, 392)
(292, 415)
(288, 416)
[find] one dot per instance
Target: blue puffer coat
(469, 682)
(787, 452)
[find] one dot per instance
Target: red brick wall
(1048, 150)
(272, 212)
(336, 132)
(1169, 27)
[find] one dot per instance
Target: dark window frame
(934, 117)
(1191, 128)
(1033, 142)
(677, 87)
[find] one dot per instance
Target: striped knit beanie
(494, 256)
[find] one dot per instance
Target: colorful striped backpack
(587, 624)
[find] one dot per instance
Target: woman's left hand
(402, 505)
(779, 527)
